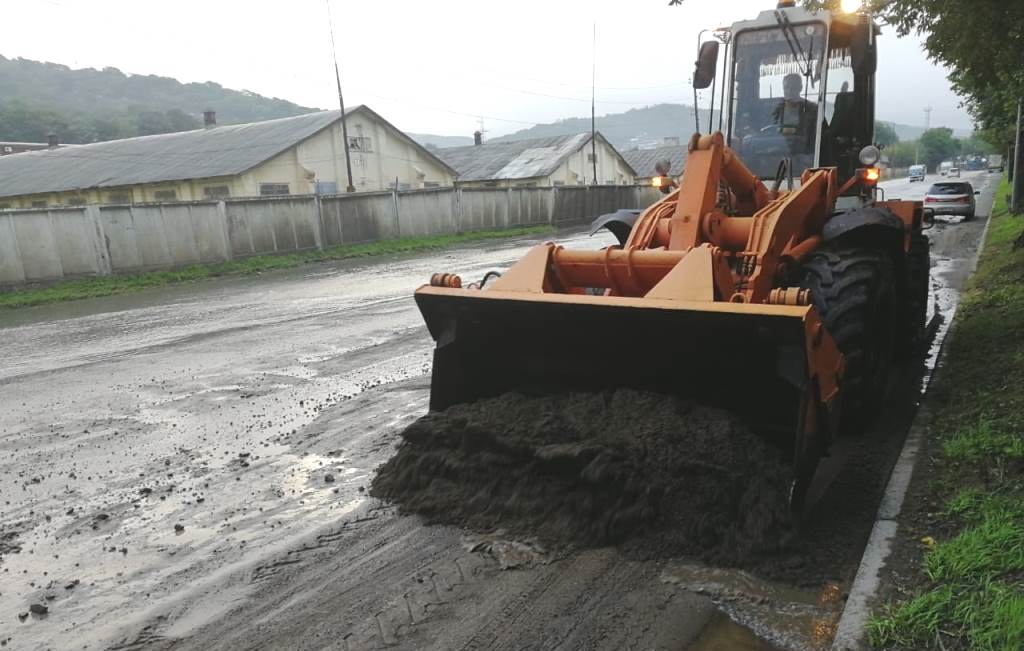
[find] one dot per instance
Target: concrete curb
(852, 626)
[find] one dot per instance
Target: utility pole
(341, 102)
(1017, 199)
(593, 101)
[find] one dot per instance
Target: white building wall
(578, 170)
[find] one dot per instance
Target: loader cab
(802, 90)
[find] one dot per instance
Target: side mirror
(707, 64)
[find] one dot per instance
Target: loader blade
(748, 359)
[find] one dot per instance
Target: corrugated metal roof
(516, 159)
(202, 153)
(644, 160)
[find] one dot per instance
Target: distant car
(954, 172)
(917, 173)
(951, 198)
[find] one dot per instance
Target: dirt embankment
(659, 476)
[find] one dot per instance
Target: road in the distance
(186, 467)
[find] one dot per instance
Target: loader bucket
(749, 359)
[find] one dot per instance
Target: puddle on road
(755, 614)
(723, 634)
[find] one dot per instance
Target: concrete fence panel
(75, 239)
(529, 206)
(11, 271)
(209, 232)
(118, 228)
(569, 205)
(180, 233)
(357, 218)
(483, 209)
(150, 237)
(424, 213)
(40, 257)
(272, 225)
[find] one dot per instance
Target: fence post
(222, 215)
(104, 264)
(398, 218)
(318, 232)
(552, 202)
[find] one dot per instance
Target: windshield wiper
(788, 31)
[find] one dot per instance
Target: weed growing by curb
(971, 593)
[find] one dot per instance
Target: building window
(558, 184)
(216, 191)
(76, 201)
(360, 143)
(431, 184)
(5, 206)
(609, 182)
(270, 189)
(402, 187)
(38, 204)
(119, 197)
(165, 195)
(327, 187)
(590, 158)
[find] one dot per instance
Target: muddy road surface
(187, 468)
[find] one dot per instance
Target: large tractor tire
(854, 290)
(917, 269)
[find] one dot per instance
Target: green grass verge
(972, 579)
(108, 285)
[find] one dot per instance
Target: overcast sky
(432, 66)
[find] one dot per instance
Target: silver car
(951, 198)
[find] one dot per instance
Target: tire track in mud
(390, 583)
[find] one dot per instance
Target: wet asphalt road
(185, 468)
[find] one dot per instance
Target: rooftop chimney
(51, 141)
(478, 138)
(209, 119)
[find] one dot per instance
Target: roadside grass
(971, 586)
(121, 284)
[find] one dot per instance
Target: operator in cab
(794, 115)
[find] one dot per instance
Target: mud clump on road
(657, 476)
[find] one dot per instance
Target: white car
(917, 173)
(951, 198)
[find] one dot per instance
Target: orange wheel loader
(774, 281)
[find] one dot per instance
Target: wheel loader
(773, 280)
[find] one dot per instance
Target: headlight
(870, 155)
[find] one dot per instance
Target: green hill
(89, 105)
(652, 124)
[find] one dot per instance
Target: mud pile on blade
(658, 476)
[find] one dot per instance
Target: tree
(976, 145)
(938, 145)
(902, 154)
(885, 134)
